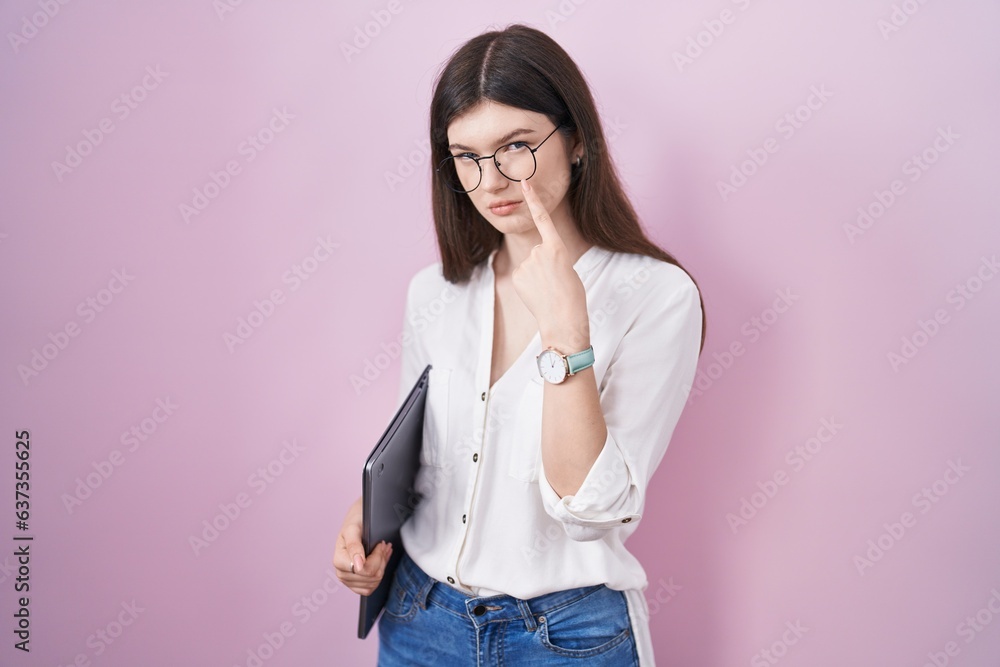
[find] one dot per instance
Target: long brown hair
(522, 67)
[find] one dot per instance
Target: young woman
(563, 344)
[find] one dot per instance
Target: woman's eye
(516, 146)
(466, 156)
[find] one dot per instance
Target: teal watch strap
(580, 360)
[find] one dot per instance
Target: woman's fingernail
(525, 185)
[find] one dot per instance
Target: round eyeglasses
(515, 162)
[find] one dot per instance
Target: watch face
(551, 367)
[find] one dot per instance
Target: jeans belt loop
(529, 618)
(424, 591)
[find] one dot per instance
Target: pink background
(675, 132)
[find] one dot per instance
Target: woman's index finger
(543, 221)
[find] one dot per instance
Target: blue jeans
(427, 622)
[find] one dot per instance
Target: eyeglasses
(515, 162)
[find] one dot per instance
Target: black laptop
(388, 496)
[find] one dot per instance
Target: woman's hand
(548, 284)
(367, 573)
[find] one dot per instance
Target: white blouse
(488, 522)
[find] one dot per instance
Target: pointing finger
(543, 222)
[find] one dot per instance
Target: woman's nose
(492, 178)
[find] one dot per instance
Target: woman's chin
(511, 224)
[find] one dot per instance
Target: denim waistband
(484, 609)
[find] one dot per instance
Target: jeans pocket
(435, 434)
(589, 626)
(400, 604)
(526, 449)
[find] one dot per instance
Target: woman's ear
(576, 147)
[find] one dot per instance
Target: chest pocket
(432, 451)
(526, 444)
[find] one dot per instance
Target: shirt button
(475, 457)
(450, 580)
(626, 519)
(479, 610)
(483, 396)
(463, 517)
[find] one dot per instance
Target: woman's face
(490, 125)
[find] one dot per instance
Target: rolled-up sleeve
(643, 393)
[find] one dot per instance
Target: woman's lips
(505, 209)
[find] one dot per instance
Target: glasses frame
(443, 164)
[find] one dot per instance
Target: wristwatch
(555, 367)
